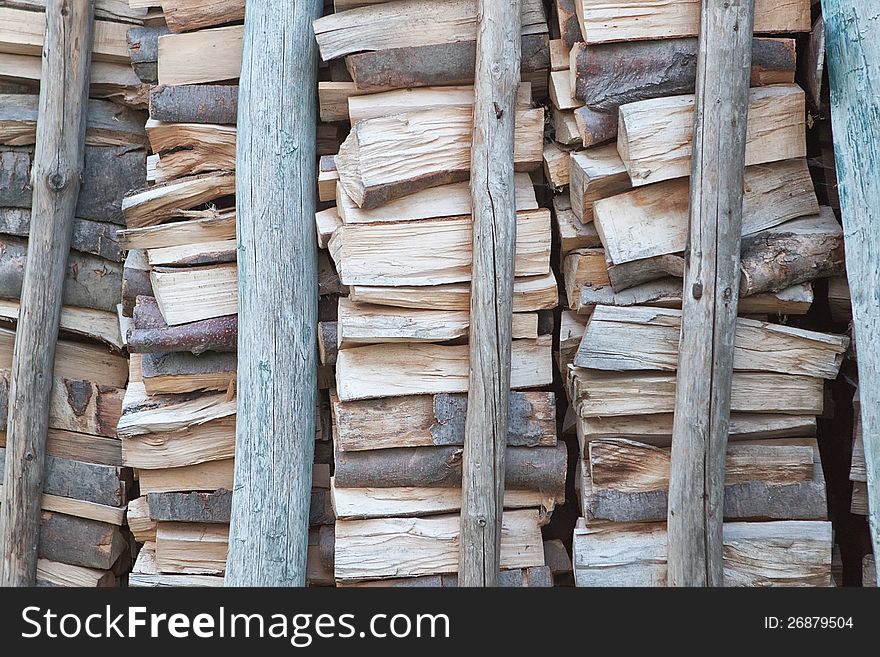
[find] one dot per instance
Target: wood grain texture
(213, 55)
(278, 296)
(188, 15)
(853, 56)
(194, 103)
(57, 167)
(723, 106)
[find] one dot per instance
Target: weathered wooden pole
(56, 177)
(853, 56)
(491, 310)
(278, 295)
(711, 291)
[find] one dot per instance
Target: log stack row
(83, 539)
(623, 103)
(398, 75)
(179, 301)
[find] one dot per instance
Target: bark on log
(143, 49)
(278, 295)
(606, 76)
(89, 281)
(194, 103)
(93, 237)
(595, 127)
(135, 280)
(635, 272)
(183, 372)
(151, 333)
(79, 541)
(213, 507)
(439, 64)
(526, 468)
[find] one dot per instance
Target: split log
(212, 55)
(152, 206)
(436, 420)
(89, 282)
(654, 136)
(212, 508)
(199, 227)
(556, 169)
(191, 548)
(430, 252)
(436, 64)
(204, 253)
(192, 294)
(603, 21)
(565, 128)
(839, 300)
(595, 127)
(583, 268)
(114, 10)
(326, 223)
(328, 178)
(636, 338)
(571, 231)
(393, 370)
(145, 572)
(561, 91)
(571, 331)
(443, 201)
(526, 468)
(79, 541)
(606, 76)
(535, 576)
(406, 547)
(191, 148)
(207, 476)
(92, 237)
(109, 172)
(82, 447)
(569, 23)
(107, 124)
(143, 49)
(361, 324)
(365, 157)
(178, 373)
(188, 15)
(653, 220)
(213, 103)
(783, 553)
(635, 272)
(152, 334)
(597, 393)
(408, 502)
(54, 573)
(142, 527)
(596, 173)
(135, 280)
(794, 252)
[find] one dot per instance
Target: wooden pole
(56, 177)
(711, 291)
(278, 295)
(853, 54)
(491, 310)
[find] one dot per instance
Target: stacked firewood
(398, 228)
(83, 540)
(622, 88)
(180, 298)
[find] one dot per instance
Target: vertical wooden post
(56, 177)
(278, 295)
(711, 291)
(853, 56)
(491, 305)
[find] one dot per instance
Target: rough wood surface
(436, 420)
(606, 76)
(435, 145)
(208, 476)
(93, 237)
(573, 233)
(192, 294)
(54, 573)
(155, 204)
(183, 372)
(214, 507)
(77, 446)
(135, 279)
(431, 251)
(198, 227)
(191, 148)
(595, 127)
(638, 338)
(197, 103)
(152, 334)
(191, 548)
(143, 48)
(526, 468)
(395, 370)
(145, 573)
(654, 136)
(595, 173)
(783, 553)
(406, 547)
(188, 15)
(632, 20)
(79, 541)
(58, 162)
(212, 55)
(854, 74)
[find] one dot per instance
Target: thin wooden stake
(56, 177)
(491, 312)
(278, 295)
(853, 52)
(711, 291)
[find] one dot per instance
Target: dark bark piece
(152, 334)
(450, 411)
(90, 282)
(636, 272)
(532, 468)
(183, 372)
(440, 64)
(321, 508)
(100, 484)
(612, 74)
(143, 49)
(93, 237)
(135, 280)
(327, 545)
(194, 103)
(595, 127)
(213, 507)
(79, 541)
(569, 24)
(327, 342)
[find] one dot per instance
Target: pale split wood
(208, 476)
(96, 324)
(194, 293)
(212, 55)
(55, 573)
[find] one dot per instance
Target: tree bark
(278, 295)
(491, 308)
(57, 171)
(711, 290)
(151, 334)
(200, 103)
